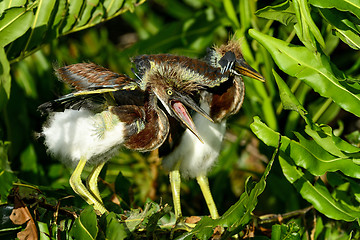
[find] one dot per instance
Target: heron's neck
(156, 127)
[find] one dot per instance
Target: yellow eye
(169, 92)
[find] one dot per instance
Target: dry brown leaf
(192, 219)
(21, 215)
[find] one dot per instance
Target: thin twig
(270, 218)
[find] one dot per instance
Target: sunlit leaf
(112, 6)
(40, 23)
(314, 69)
(307, 29)
(317, 194)
(342, 5)
(345, 27)
(306, 153)
(14, 22)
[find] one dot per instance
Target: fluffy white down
(73, 134)
(196, 157)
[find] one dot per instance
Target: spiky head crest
(164, 78)
(232, 45)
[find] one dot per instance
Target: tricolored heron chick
(107, 111)
(221, 95)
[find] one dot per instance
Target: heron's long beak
(241, 67)
(182, 115)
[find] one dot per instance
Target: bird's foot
(181, 225)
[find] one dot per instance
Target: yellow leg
(92, 181)
(81, 190)
(204, 185)
(175, 182)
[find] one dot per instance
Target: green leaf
(5, 79)
(114, 229)
(154, 220)
(313, 68)
(307, 28)
(333, 144)
(317, 194)
(88, 12)
(283, 231)
(112, 6)
(307, 153)
(85, 226)
(345, 28)
(290, 102)
(231, 13)
(40, 23)
(138, 217)
(283, 12)
(72, 15)
(122, 187)
(14, 23)
(7, 178)
(342, 5)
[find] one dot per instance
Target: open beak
(182, 115)
(241, 67)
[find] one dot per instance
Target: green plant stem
(322, 109)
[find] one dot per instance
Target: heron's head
(229, 58)
(175, 89)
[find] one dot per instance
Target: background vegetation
(302, 124)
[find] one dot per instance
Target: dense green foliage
(290, 165)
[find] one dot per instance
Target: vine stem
(322, 109)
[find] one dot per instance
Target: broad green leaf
(114, 229)
(283, 12)
(317, 194)
(238, 215)
(49, 20)
(314, 69)
(333, 144)
(85, 226)
(342, 5)
(345, 28)
(14, 23)
(307, 153)
(5, 4)
(5, 78)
